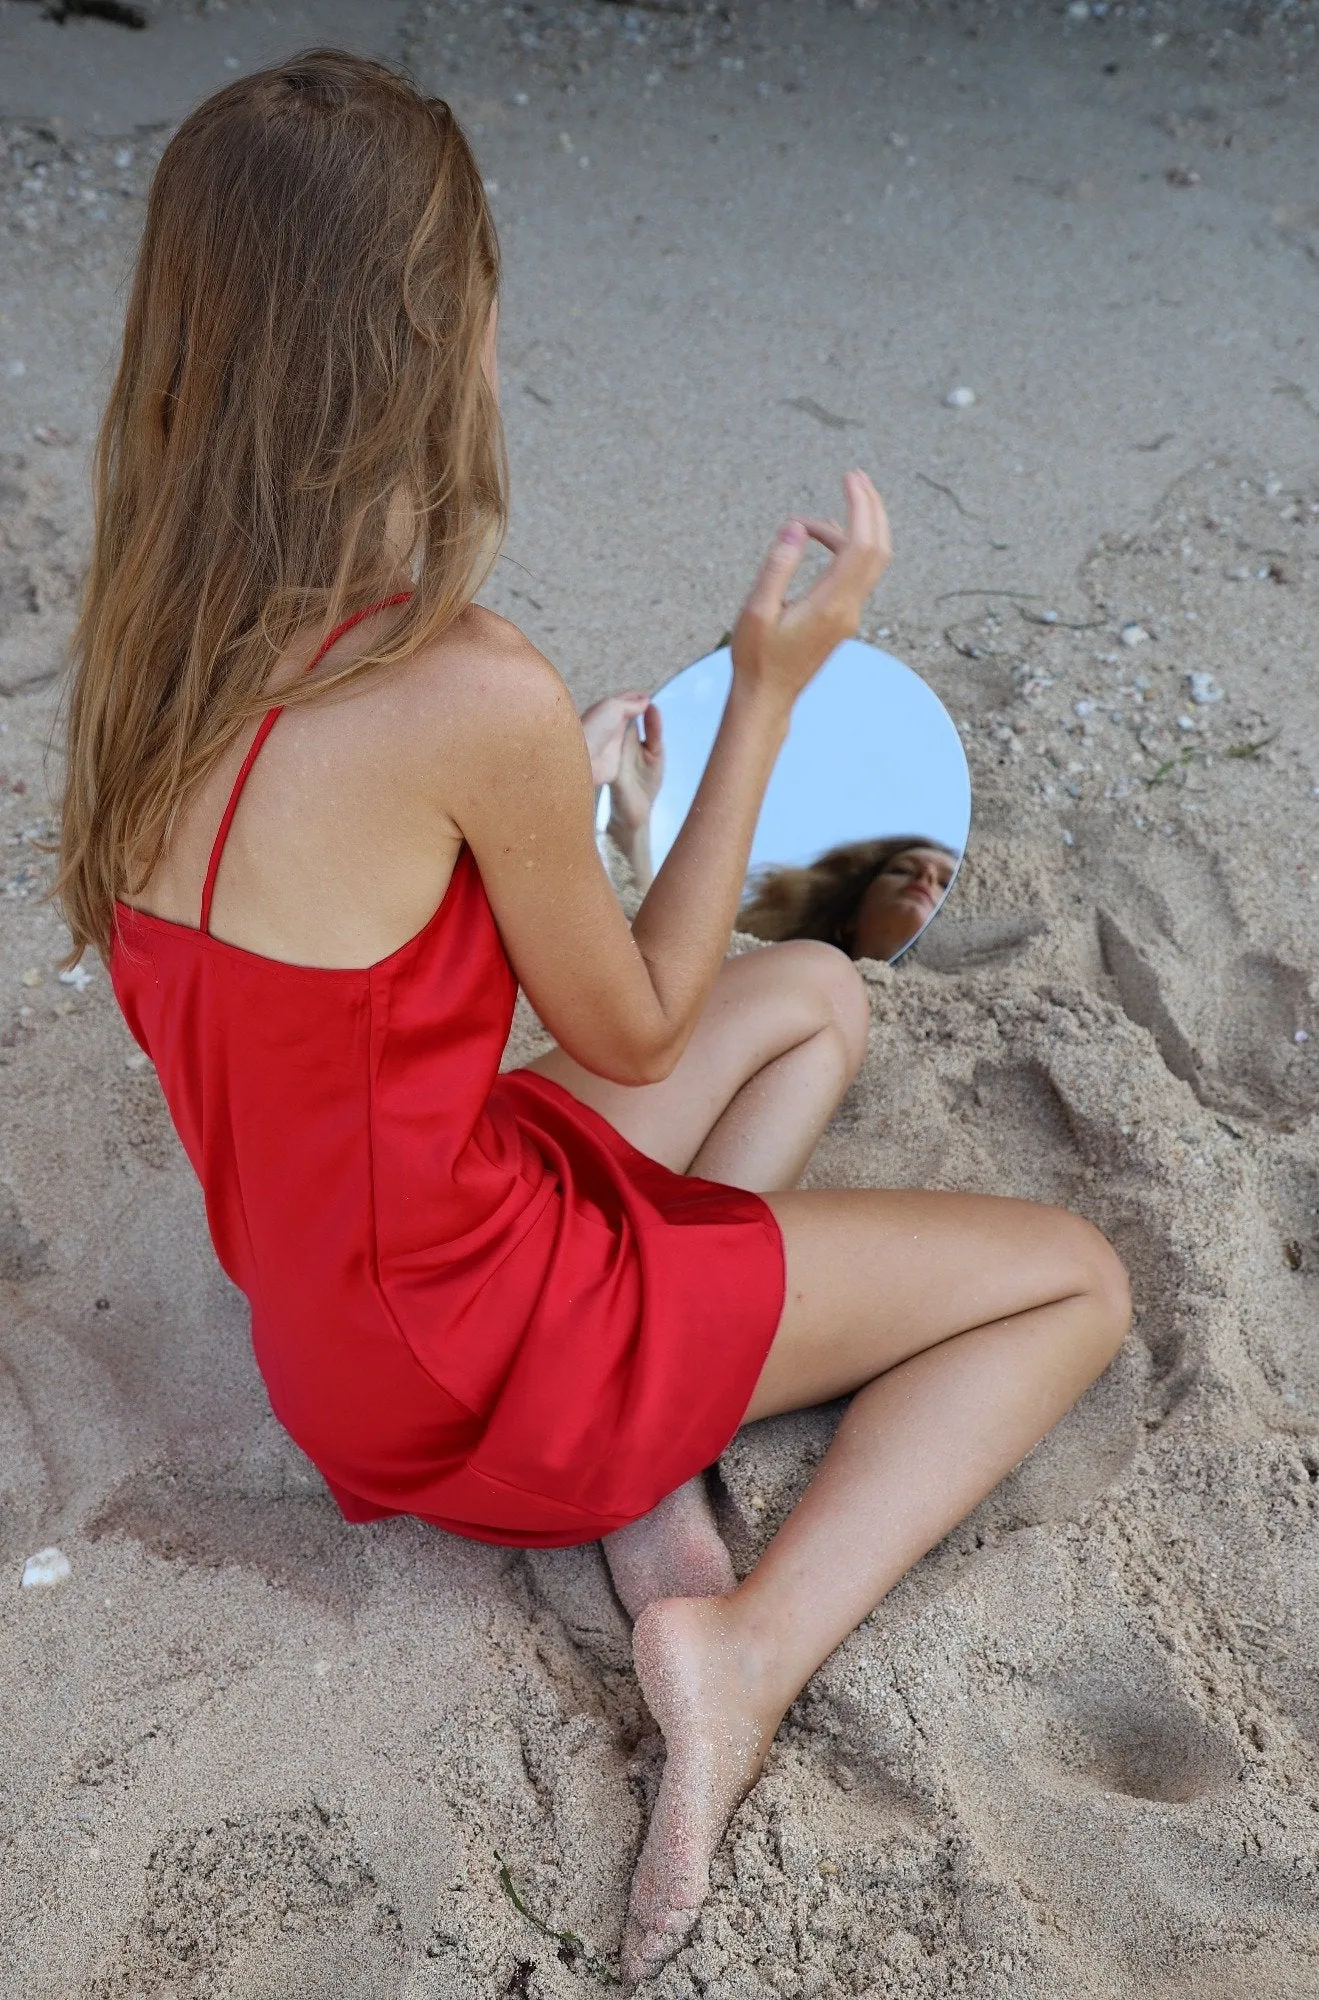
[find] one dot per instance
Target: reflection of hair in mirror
(870, 897)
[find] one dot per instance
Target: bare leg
(782, 1036)
(968, 1326)
(781, 1039)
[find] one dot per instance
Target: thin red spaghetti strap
(268, 721)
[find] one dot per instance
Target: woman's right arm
(516, 780)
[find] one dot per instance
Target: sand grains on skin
(674, 1551)
(698, 1683)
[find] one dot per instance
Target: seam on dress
(531, 1493)
(372, 1235)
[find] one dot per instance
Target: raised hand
(778, 647)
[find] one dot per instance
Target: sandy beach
(249, 1750)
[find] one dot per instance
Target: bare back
(339, 850)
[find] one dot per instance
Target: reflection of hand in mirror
(869, 897)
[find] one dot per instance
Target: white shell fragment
(1133, 635)
(78, 977)
(1203, 689)
(45, 1567)
(959, 399)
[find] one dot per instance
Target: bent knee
(1102, 1276)
(838, 990)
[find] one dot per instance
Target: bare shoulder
(480, 679)
(476, 710)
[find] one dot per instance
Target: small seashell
(77, 976)
(1301, 1035)
(32, 977)
(45, 1567)
(1203, 689)
(959, 399)
(1133, 635)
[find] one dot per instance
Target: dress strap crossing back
(268, 721)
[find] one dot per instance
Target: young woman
(528, 1308)
(869, 897)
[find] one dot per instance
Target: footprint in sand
(266, 1905)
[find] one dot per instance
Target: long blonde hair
(303, 346)
(821, 899)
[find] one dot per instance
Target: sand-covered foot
(699, 1687)
(674, 1551)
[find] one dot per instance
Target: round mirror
(866, 816)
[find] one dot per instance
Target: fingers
(616, 707)
(648, 748)
(792, 640)
(604, 725)
(862, 553)
(776, 572)
(827, 532)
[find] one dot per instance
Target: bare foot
(700, 1685)
(674, 1551)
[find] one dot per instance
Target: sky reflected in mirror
(872, 751)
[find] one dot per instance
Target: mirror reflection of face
(899, 901)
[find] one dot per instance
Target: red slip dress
(472, 1300)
